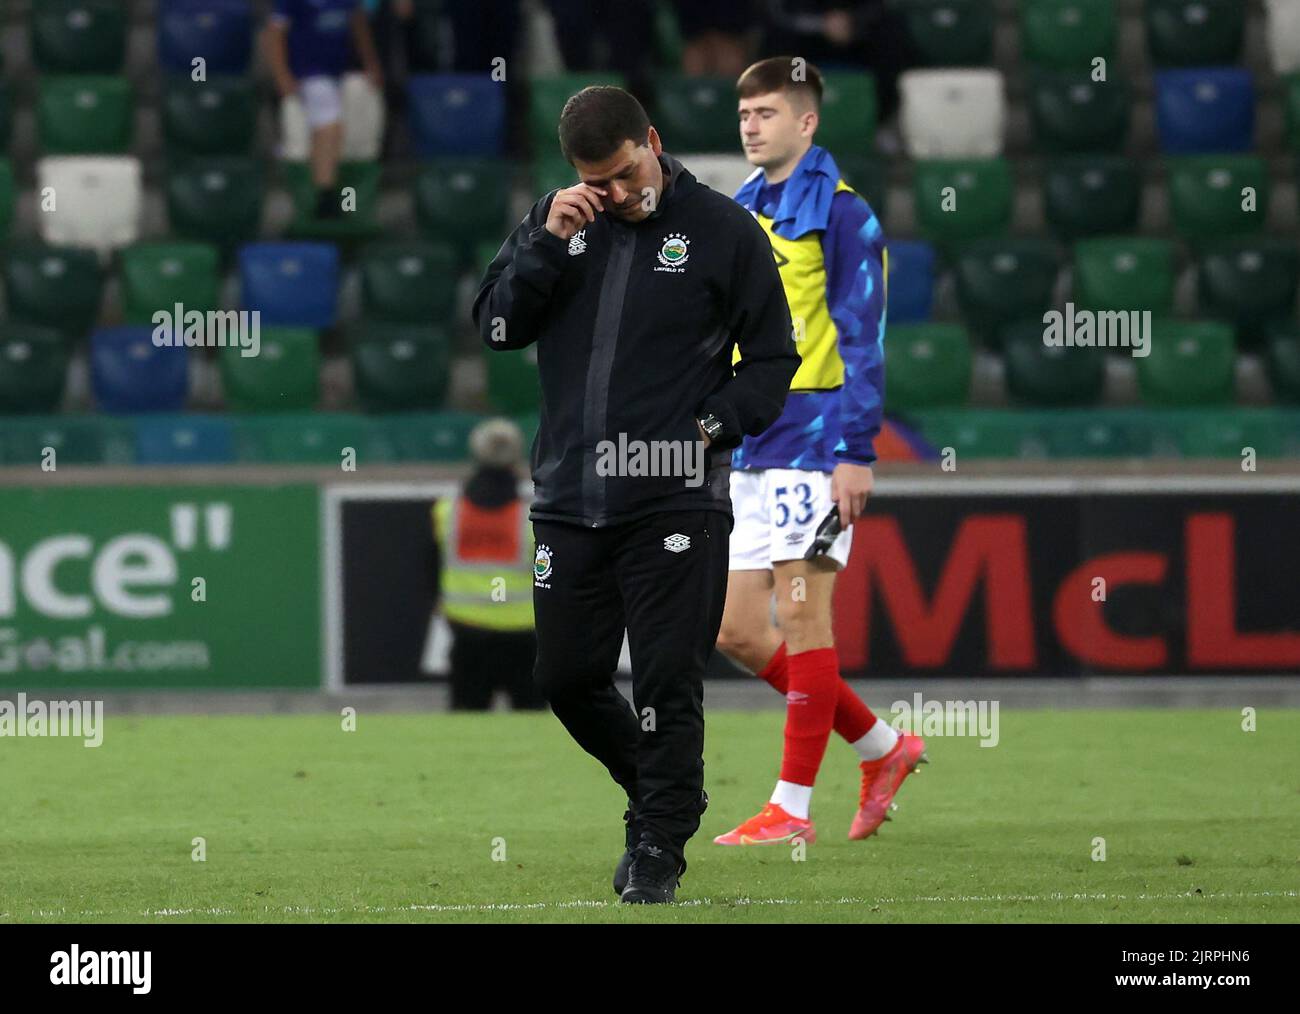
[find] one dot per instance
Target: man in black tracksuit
(637, 284)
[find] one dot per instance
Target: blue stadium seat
(457, 114)
(911, 280)
(1205, 109)
(220, 31)
(184, 440)
(290, 283)
(130, 374)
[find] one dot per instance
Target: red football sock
(853, 719)
(809, 712)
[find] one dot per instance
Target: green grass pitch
(407, 819)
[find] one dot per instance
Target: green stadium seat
(1091, 195)
(552, 174)
(928, 365)
(430, 436)
(92, 440)
(513, 387)
(974, 433)
(1004, 280)
(408, 282)
(1124, 273)
(1191, 363)
(1205, 195)
(218, 200)
(848, 114)
(960, 199)
(1195, 33)
(1049, 375)
(1291, 96)
(697, 113)
(85, 115)
(1072, 113)
(401, 367)
(57, 287)
(283, 377)
(1228, 432)
(1282, 359)
(33, 369)
(950, 33)
(8, 195)
(1068, 33)
(79, 36)
(157, 276)
(213, 117)
(360, 208)
(1250, 283)
(869, 177)
(546, 98)
(316, 438)
(465, 201)
(1108, 434)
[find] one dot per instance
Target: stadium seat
(1208, 195)
(1250, 283)
(408, 282)
(1282, 30)
(911, 280)
(697, 113)
(1107, 434)
(1194, 33)
(555, 174)
(1205, 110)
(1068, 33)
(430, 436)
(457, 114)
(308, 438)
(220, 32)
(1004, 280)
(1124, 273)
(98, 201)
(848, 114)
(513, 387)
(952, 113)
(56, 287)
(157, 276)
(33, 369)
(1053, 376)
(1291, 96)
(928, 365)
(363, 123)
(76, 440)
(85, 115)
(960, 199)
(1227, 432)
(283, 377)
(1282, 360)
(7, 197)
(360, 206)
(1191, 363)
(400, 367)
(869, 177)
(723, 173)
(213, 117)
(1091, 195)
(974, 433)
(1073, 113)
(290, 283)
(950, 33)
(129, 373)
(546, 98)
(78, 36)
(466, 201)
(216, 200)
(184, 440)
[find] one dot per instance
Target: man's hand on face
(572, 210)
(851, 485)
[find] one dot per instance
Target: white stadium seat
(363, 123)
(953, 113)
(96, 201)
(723, 173)
(1283, 33)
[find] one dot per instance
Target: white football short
(322, 100)
(778, 511)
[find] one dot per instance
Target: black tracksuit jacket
(634, 338)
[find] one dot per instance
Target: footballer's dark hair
(792, 75)
(595, 123)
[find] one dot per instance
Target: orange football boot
(881, 780)
(771, 827)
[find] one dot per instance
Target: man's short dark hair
(596, 122)
(792, 75)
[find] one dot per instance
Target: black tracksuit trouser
(664, 579)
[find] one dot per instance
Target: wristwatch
(711, 425)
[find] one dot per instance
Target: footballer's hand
(851, 485)
(572, 210)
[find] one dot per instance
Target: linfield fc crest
(675, 252)
(542, 566)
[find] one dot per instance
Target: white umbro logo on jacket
(677, 543)
(578, 244)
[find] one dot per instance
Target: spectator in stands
(624, 27)
(485, 542)
(481, 32)
(713, 36)
(309, 46)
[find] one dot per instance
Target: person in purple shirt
(309, 46)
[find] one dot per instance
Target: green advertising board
(160, 587)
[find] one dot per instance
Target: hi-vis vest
(479, 546)
(803, 273)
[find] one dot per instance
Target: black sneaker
(631, 836)
(653, 878)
